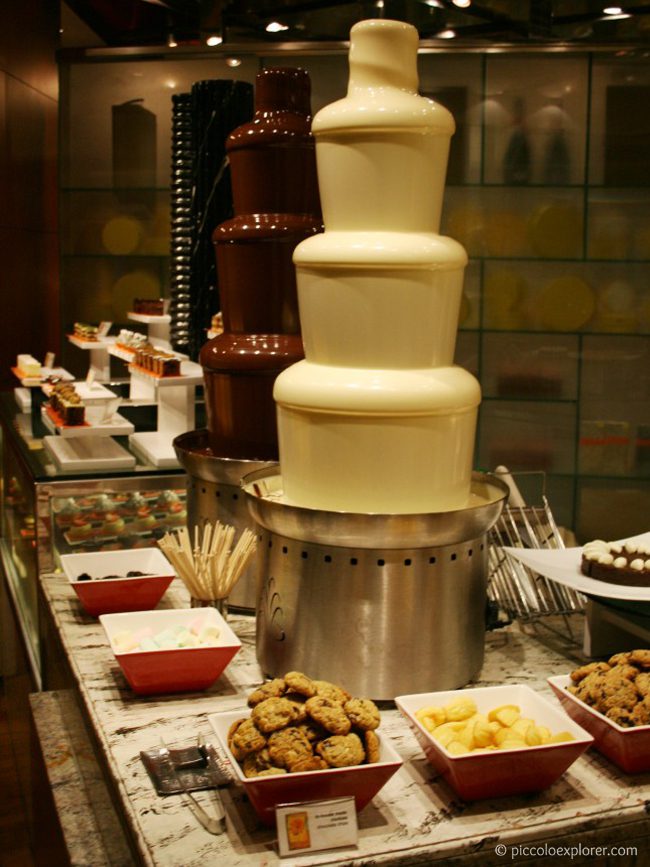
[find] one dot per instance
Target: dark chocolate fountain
(276, 205)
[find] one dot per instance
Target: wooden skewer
(211, 568)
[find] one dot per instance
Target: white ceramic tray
(563, 565)
(81, 454)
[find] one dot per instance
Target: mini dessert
(177, 516)
(619, 688)
(134, 504)
(85, 332)
(131, 340)
(299, 724)
(113, 524)
(166, 500)
(101, 506)
(80, 528)
(67, 405)
(157, 361)
(28, 365)
(617, 562)
(149, 306)
(145, 520)
(67, 513)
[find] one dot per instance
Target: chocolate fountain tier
(276, 145)
(256, 274)
(239, 371)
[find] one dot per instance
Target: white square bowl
(183, 669)
(498, 773)
(109, 595)
(629, 748)
(362, 782)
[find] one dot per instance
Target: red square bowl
(362, 782)
(627, 748)
(101, 595)
(182, 669)
(499, 773)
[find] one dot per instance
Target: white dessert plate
(563, 565)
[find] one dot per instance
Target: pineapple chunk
(430, 717)
(506, 714)
(482, 733)
(533, 736)
(460, 709)
(522, 725)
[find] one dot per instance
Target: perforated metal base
(380, 622)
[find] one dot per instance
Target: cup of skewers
(211, 563)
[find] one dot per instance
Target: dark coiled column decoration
(217, 108)
(181, 221)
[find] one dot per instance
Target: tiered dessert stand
(90, 445)
(275, 199)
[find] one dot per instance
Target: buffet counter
(415, 819)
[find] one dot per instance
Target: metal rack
(518, 591)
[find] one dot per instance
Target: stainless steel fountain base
(382, 604)
(214, 494)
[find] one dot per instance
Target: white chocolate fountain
(377, 418)
(372, 532)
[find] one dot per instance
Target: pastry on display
(617, 562)
(131, 340)
(67, 404)
(28, 366)
(157, 361)
(149, 306)
(79, 529)
(619, 688)
(83, 331)
(300, 724)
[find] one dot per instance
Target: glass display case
(47, 513)
(547, 189)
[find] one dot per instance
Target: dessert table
(111, 814)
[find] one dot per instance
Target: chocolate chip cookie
(288, 745)
(341, 751)
(329, 714)
(271, 689)
(273, 714)
(298, 682)
(362, 713)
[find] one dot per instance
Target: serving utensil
(213, 824)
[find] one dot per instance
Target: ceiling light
(276, 27)
(462, 3)
(233, 61)
(435, 4)
(213, 40)
(171, 41)
(379, 4)
(612, 10)
(446, 34)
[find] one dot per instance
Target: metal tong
(213, 825)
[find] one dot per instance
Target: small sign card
(90, 377)
(316, 825)
(102, 329)
(49, 360)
